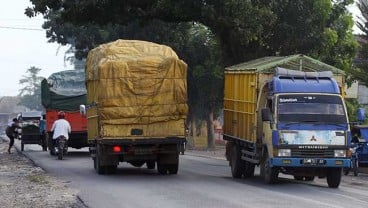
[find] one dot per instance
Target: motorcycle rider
(60, 127)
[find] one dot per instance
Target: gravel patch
(23, 185)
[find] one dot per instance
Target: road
(201, 182)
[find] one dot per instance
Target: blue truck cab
(308, 125)
(286, 115)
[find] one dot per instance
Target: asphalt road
(201, 182)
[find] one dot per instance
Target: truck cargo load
(287, 115)
(136, 95)
(65, 91)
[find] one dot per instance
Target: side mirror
(361, 114)
(266, 114)
(82, 110)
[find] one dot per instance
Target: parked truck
(287, 115)
(64, 91)
(136, 105)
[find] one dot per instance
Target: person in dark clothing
(11, 131)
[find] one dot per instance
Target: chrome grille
(311, 153)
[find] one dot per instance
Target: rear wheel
(249, 169)
(237, 165)
(150, 165)
(97, 161)
(333, 177)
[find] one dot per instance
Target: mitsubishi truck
(65, 91)
(286, 115)
(136, 105)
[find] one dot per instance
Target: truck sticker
(307, 137)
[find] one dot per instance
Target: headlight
(340, 153)
(284, 153)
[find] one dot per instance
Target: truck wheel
(97, 162)
(161, 167)
(333, 177)
(309, 178)
(22, 146)
(249, 169)
(173, 168)
(150, 165)
(110, 169)
(237, 165)
(270, 174)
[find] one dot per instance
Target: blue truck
(286, 115)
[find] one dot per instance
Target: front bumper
(316, 162)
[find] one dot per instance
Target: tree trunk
(210, 132)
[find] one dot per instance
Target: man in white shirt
(61, 127)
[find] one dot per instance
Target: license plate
(313, 161)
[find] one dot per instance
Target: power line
(21, 28)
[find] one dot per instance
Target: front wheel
(334, 177)
(270, 174)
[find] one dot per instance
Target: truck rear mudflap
(310, 162)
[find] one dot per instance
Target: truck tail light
(116, 148)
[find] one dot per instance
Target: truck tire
(150, 165)
(270, 173)
(173, 168)
(237, 164)
(248, 169)
(162, 168)
(101, 170)
(333, 177)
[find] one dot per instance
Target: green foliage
(30, 94)
(361, 71)
(352, 106)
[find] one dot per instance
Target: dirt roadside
(24, 185)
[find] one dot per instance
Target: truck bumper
(310, 162)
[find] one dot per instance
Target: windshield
(311, 108)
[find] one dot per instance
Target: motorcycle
(61, 147)
(353, 161)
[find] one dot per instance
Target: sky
(23, 45)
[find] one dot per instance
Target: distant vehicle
(30, 129)
(64, 91)
(136, 105)
(286, 121)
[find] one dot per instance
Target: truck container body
(136, 105)
(64, 91)
(292, 121)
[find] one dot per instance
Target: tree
(361, 71)
(245, 29)
(30, 94)
(238, 31)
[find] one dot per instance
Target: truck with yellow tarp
(287, 115)
(136, 105)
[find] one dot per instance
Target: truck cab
(305, 127)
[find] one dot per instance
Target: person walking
(11, 131)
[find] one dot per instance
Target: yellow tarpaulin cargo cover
(135, 89)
